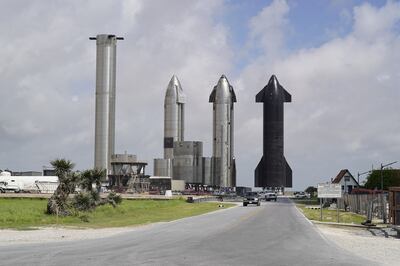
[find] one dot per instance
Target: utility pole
(383, 166)
(361, 174)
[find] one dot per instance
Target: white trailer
(39, 184)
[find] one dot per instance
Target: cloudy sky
(339, 59)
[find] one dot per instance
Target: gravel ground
(374, 244)
(57, 234)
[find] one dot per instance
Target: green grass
(331, 215)
(312, 201)
(26, 214)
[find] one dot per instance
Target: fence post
(320, 204)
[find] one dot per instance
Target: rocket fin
(212, 96)
(258, 174)
(288, 174)
(288, 97)
(260, 96)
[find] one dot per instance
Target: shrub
(114, 199)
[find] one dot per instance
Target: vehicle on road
(302, 195)
(251, 198)
(271, 196)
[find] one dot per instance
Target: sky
(339, 59)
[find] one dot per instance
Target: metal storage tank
(206, 171)
(105, 100)
(162, 167)
(187, 163)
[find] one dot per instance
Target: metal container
(206, 171)
(223, 97)
(187, 162)
(174, 114)
(162, 167)
(105, 100)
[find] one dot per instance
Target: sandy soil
(57, 234)
(374, 245)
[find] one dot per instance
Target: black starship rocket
(273, 170)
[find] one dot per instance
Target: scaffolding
(128, 174)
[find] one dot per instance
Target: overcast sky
(339, 59)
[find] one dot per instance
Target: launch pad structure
(127, 173)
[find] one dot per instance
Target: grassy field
(331, 215)
(25, 213)
(312, 201)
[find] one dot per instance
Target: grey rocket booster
(105, 99)
(223, 163)
(273, 170)
(174, 114)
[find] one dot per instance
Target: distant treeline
(391, 178)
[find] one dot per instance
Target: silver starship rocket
(223, 163)
(174, 115)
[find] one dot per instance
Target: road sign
(328, 190)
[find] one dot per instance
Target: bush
(83, 202)
(114, 199)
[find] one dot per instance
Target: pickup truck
(251, 198)
(270, 196)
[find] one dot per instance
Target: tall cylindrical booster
(223, 166)
(105, 100)
(174, 115)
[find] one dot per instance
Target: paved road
(272, 234)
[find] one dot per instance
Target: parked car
(251, 198)
(270, 196)
(302, 195)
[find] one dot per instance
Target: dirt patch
(372, 245)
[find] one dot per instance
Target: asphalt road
(272, 234)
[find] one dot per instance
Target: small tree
(391, 178)
(311, 190)
(57, 204)
(89, 198)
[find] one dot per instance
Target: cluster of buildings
(184, 164)
(183, 160)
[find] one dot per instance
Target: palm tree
(90, 177)
(57, 203)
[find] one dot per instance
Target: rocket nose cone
(273, 81)
(223, 82)
(222, 92)
(174, 91)
(174, 82)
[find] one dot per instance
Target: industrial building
(183, 160)
(188, 161)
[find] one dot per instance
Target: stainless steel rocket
(273, 170)
(105, 100)
(223, 163)
(174, 115)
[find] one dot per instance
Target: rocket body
(174, 114)
(273, 170)
(105, 100)
(223, 163)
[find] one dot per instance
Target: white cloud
(343, 115)
(48, 75)
(267, 29)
